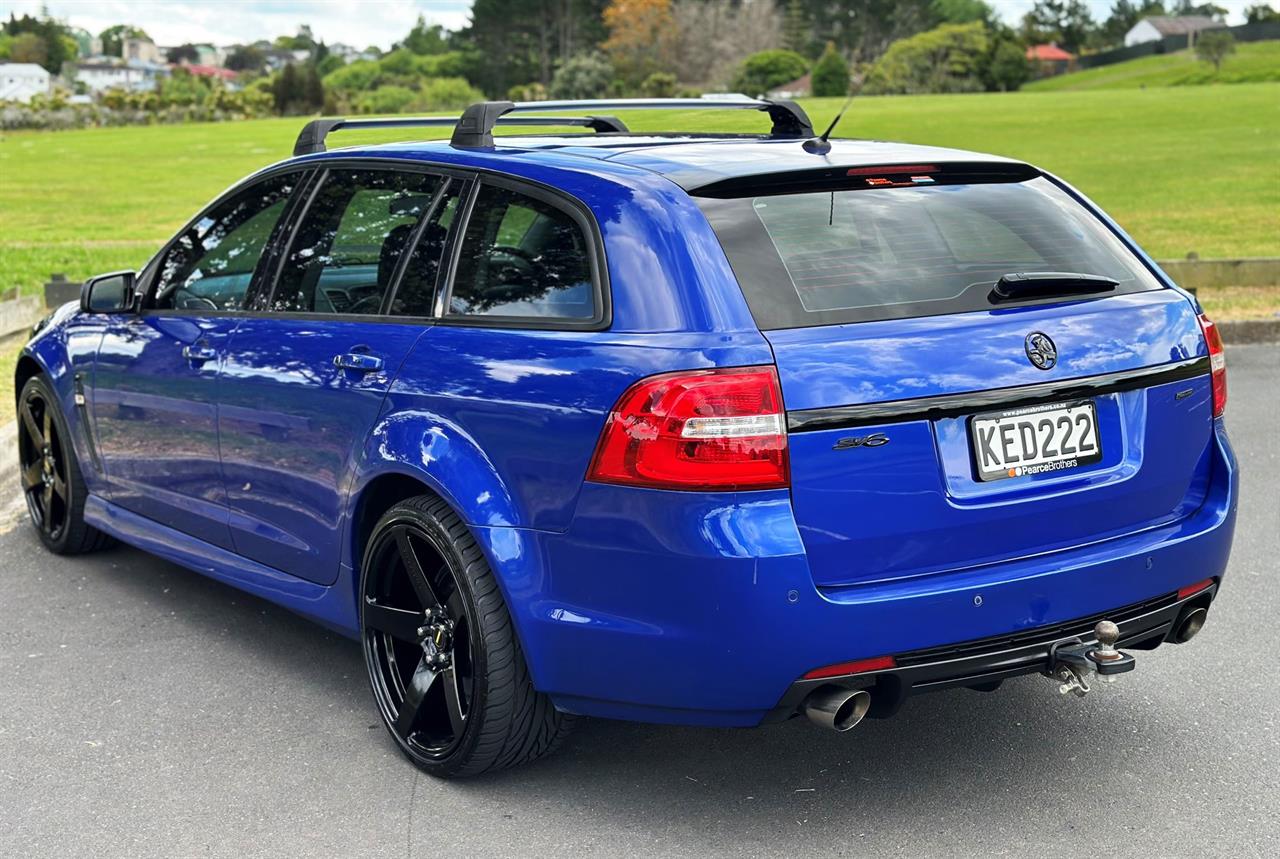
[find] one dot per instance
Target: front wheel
(51, 478)
(447, 671)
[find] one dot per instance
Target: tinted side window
(416, 293)
(210, 266)
(349, 243)
(522, 256)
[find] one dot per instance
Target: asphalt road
(147, 711)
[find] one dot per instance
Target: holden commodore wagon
(684, 428)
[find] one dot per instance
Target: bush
(360, 76)
(446, 94)
(659, 85)
(528, 92)
(1008, 67)
(945, 59)
(583, 76)
(831, 73)
(386, 99)
(765, 70)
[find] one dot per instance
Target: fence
(1243, 33)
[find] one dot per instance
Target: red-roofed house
(1049, 60)
(209, 71)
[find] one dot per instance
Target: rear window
(854, 255)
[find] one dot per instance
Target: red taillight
(1192, 590)
(700, 430)
(1217, 364)
(857, 666)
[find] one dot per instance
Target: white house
(20, 81)
(1155, 27)
(99, 76)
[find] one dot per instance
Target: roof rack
(311, 139)
(475, 127)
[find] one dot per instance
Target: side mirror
(108, 293)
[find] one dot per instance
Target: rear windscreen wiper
(1045, 284)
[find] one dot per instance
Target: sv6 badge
(876, 439)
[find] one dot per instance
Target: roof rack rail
(312, 137)
(475, 127)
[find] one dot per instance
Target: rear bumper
(700, 608)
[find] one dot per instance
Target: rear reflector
(1192, 590)
(1217, 364)
(704, 430)
(857, 666)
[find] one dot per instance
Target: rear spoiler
(856, 177)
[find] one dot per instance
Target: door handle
(198, 353)
(360, 362)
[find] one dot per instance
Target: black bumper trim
(989, 661)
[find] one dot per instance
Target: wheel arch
(27, 368)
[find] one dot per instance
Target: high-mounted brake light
(857, 666)
(703, 430)
(1217, 364)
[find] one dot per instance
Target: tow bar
(1071, 662)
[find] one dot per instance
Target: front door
(304, 381)
(156, 373)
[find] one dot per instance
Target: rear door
(935, 425)
(154, 385)
(305, 376)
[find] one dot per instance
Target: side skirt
(330, 606)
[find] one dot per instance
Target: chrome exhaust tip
(837, 709)
(1191, 625)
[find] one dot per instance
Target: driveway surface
(148, 711)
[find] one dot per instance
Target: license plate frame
(983, 449)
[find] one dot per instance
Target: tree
(1213, 46)
(830, 73)
(864, 29)
(1064, 22)
(183, 53)
(765, 70)
(659, 85)
(583, 76)
(1260, 13)
(945, 59)
(426, 38)
(1007, 68)
(641, 37)
(962, 11)
(246, 58)
(712, 37)
(1208, 10)
(113, 38)
(796, 28)
(29, 48)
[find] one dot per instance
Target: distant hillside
(1251, 63)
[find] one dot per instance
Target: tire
(50, 474)
(447, 672)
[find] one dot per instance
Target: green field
(1183, 169)
(1253, 62)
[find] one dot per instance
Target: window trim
(147, 278)
(581, 215)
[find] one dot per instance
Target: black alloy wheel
(446, 668)
(417, 640)
(50, 474)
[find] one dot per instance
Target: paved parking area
(147, 711)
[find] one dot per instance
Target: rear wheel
(447, 672)
(51, 478)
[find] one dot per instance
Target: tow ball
(1072, 661)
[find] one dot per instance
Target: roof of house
(27, 68)
(1049, 53)
(209, 71)
(1169, 25)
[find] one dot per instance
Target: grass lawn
(1183, 169)
(1253, 62)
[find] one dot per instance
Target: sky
(372, 22)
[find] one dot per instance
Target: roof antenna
(820, 145)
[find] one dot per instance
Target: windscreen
(828, 257)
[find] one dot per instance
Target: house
(1154, 28)
(203, 71)
(1049, 60)
(20, 81)
(210, 55)
(801, 87)
(98, 75)
(140, 50)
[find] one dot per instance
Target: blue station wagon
(686, 428)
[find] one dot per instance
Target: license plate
(1034, 440)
